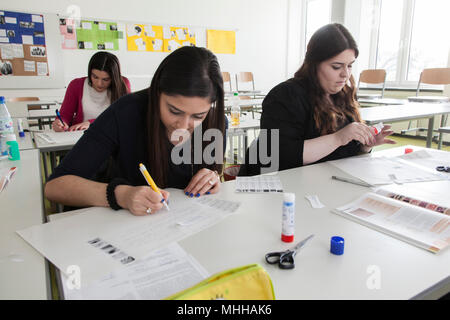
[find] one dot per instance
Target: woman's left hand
(204, 181)
(381, 137)
(80, 126)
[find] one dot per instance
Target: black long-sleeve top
(119, 137)
(286, 107)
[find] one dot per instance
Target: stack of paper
(115, 240)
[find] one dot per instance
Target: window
(318, 14)
(405, 36)
(429, 38)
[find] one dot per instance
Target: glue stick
(288, 218)
(378, 127)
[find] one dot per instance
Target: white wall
(261, 37)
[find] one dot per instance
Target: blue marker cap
(337, 245)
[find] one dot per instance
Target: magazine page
(430, 195)
(419, 226)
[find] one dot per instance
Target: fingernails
(207, 192)
(186, 193)
(162, 200)
(191, 195)
(197, 195)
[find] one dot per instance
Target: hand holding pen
(153, 185)
(58, 125)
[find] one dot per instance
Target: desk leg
(44, 159)
(430, 131)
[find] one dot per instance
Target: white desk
(23, 271)
(18, 109)
(25, 143)
(406, 271)
(245, 103)
(68, 140)
(409, 111)
(383, 101)
(429, 99)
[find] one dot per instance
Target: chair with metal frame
(372, 76)
(433, 76)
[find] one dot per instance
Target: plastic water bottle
(288, 218)
(235, 110)
(6, 126)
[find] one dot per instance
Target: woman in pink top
(89, 96)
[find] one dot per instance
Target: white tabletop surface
(393, 113)
(245, 102)
(23, 272)
(67, 141)
(404, 271)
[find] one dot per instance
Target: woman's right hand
(356, 131)
(57, 126)
(139, 199)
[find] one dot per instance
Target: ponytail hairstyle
(105, 61)
(326, 43)
(188, 72)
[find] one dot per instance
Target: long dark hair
(189, 72)
(327, 42)
(105, 61)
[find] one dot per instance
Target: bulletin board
(97, 35)
(22, 44)
(144, 37)
(32, 50)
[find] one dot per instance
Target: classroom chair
(245, 78)
(372, 76)
(226, 78)
(246, 109)
(433, 76)
(15, 99)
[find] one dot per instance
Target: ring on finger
(149, 210)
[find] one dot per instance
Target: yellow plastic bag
(249, 282)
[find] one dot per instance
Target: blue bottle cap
(337, 245)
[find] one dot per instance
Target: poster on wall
(175, 37)
(68, 33)
(22, 44)
(221, 41)
(97, 35)
(144, 37)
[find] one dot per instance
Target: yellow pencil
(151, 183)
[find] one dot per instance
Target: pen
(151, 183)
(59, 117)
(359, 183)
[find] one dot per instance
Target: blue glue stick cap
(337, 245)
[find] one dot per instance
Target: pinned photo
(101, 46)
(38, 51)
(25, 24)
(6, 68)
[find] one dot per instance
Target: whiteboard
(55, 62)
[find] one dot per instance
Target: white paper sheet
(59, 137)
(259, 184)
(114, 240)
(164, 272)
(383, 170)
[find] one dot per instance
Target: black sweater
(286, 107)
(118, 138)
